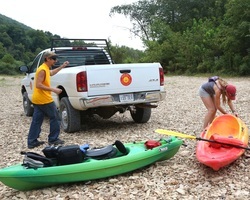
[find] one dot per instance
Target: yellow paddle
(173, 133)
(182, 135)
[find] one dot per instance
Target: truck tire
(140, 115)
(27, 105)
(71, 119)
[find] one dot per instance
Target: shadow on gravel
(96, 122)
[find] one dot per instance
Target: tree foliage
(198, 36)
(185, 36)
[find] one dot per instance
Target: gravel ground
(181, 177)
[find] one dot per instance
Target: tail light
(161, 76)
(81, 82)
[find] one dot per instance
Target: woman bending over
(211, 94)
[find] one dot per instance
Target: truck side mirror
(24, 69)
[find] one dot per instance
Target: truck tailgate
(122, 78)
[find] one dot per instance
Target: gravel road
(181, 177)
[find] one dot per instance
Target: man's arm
(55, 71)
(39, 83)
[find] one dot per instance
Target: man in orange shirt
(43, 103)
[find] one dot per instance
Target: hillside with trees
(186, 37)
(19, 44)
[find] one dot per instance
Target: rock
(181, 177)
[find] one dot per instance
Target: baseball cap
(49, 54)
(231, 91)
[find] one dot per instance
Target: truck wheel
(27, 105)
(140, 115)
(71, 119)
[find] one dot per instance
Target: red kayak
(226, 129)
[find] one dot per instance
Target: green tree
(39, 40)
(198, 36)
(7, 65)
(2, 50)
(141, 15)
(235, 37)
(125, 54)
(6, 40)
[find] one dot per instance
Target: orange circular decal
(126, 79)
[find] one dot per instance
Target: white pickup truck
(93, 84)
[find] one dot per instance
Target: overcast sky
(74, 19)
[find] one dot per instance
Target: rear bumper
(114, 100)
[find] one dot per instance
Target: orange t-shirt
(42, 96)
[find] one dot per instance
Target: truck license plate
(126, 97)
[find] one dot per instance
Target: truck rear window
(84, 57)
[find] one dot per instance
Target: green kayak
(138, 155)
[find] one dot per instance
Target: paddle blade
(173, 133)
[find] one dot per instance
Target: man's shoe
(35, 144)
(56, 142)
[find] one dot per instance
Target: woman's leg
(211, 110)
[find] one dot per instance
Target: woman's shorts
(203, 93)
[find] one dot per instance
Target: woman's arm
(231, 106)
(218, 100)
